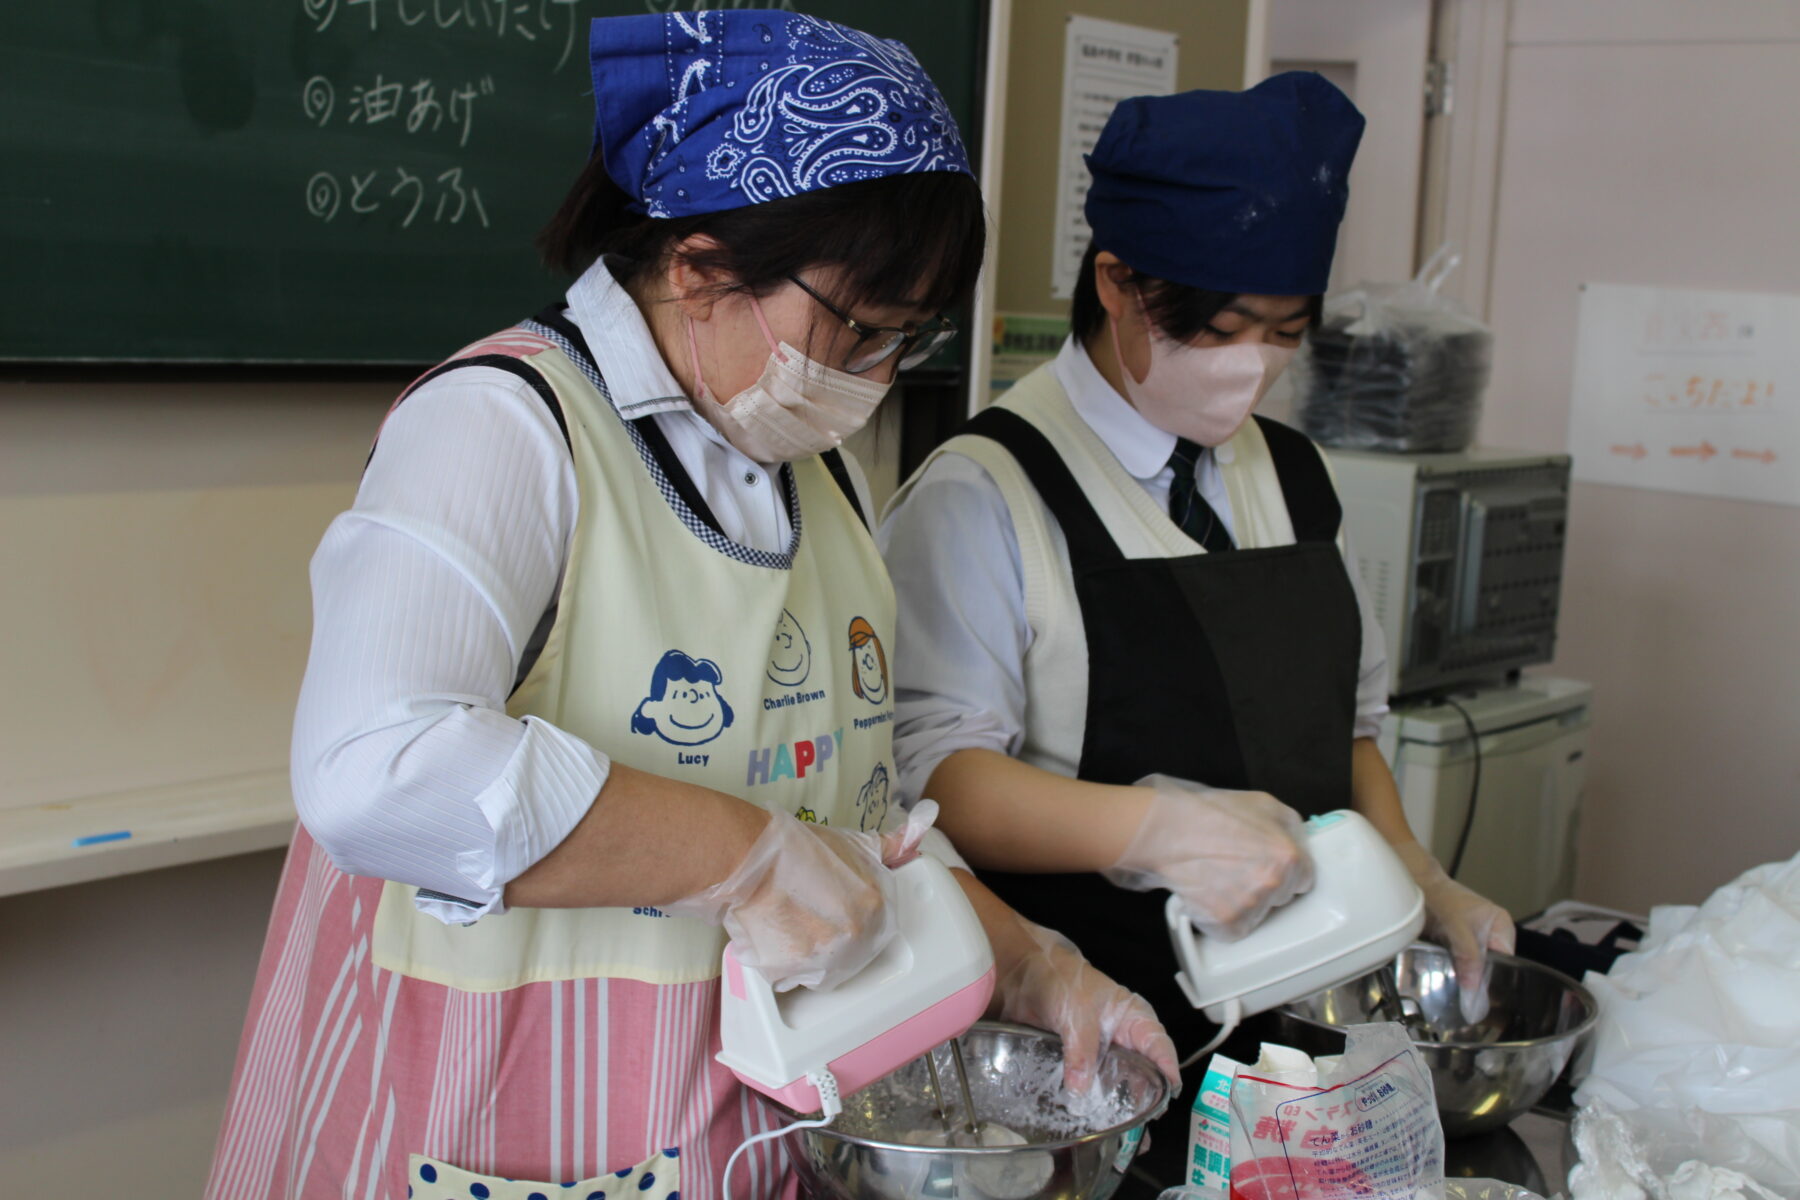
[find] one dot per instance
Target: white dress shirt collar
(1140, 447)
(637, 378)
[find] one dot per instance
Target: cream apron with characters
(387, 1052)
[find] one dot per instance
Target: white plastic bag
(1698, 1045)
(1395, 367)
(1614, 1166)
(1360, 1126)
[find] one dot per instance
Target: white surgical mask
(797, 408)
(1203, 394)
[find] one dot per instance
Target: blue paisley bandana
(698, 112)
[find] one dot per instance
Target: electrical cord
(830, 1105)
(1234, 1016)
(1462, 840)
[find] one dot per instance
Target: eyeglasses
(875, 344)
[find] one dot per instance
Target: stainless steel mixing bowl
(870, 1151)
(1486, 1073)
(1486, 1189)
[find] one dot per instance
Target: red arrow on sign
(1633, 452)
(1761, 456)
(1702, 452)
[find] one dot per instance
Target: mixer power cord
(1462, 840)
(830, 1105)
(1234, 1016)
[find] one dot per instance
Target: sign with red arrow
(1687, 391)
(1702, 452)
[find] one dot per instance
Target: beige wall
(156, 611)
(120, 1005)
(159, 535)
(1652, 142)
(1211, 55)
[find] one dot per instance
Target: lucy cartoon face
(868, 666)
(684, 707)
(790, 658)
(872, 801)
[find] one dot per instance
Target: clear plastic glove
(1231, 856)
(1051, 986)
(1463, 923)
(809, 905)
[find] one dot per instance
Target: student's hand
(1047, 983)
(809, 905)
(1462, 922)
(1231, 856)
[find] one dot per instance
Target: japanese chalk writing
(416, 107)
(452, 198)
(550, 23)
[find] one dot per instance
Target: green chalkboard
(329, 181)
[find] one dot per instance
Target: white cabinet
(1532, 743)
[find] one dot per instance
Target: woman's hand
(1045, 981)
(1231, 856)
(808, 906)
(1464, 923)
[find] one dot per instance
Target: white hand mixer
(807, 1048)
(1363, 909)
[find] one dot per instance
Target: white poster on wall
(1104, 62)
(1688, 391)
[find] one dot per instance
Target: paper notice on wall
(1104, 62)
(1023, 342)
(1688, 391)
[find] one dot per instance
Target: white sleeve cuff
(1368, 723)
(923, 739)
(540, 796)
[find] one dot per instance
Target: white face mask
(796, 409)
(1202, 394)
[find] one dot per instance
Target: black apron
(1235, 669)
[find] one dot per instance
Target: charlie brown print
(868, 663)
(790, 658)
(684, 707)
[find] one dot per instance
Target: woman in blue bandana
(1134, 657)
(554, 732)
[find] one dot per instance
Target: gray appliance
(1461, 556)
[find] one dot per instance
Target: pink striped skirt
(346, 1069)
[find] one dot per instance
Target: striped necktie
(1187, 507)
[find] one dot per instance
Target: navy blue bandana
(1231, 191)
(701, 112)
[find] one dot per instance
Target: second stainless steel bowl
(1485, 1073)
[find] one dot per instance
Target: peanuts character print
(868, 665)
(790, 656)
(684, 707)
(872, 801)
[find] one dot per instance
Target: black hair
(902, 240)
(1179, 311)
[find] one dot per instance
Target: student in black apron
(1131, 657)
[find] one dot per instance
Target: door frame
(1460, 176)
(1389, 46)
